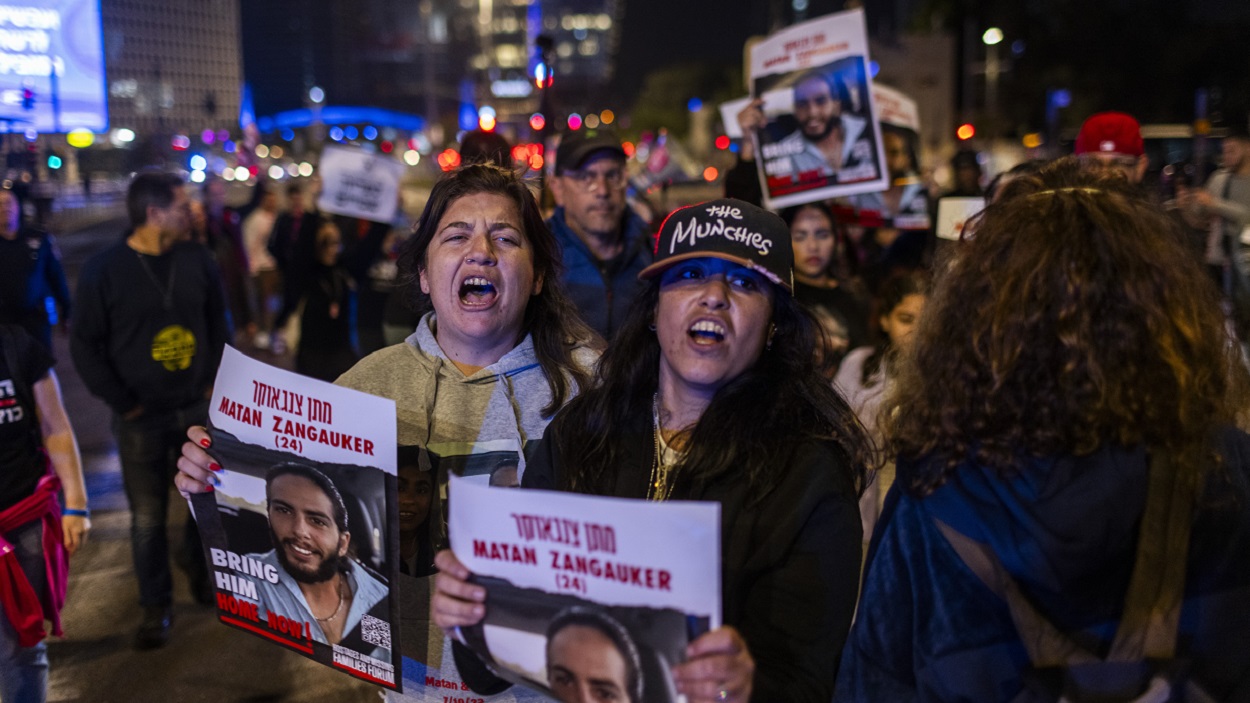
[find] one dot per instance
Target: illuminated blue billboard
(52, 66)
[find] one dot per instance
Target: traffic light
(543, 75)
(543, 71)
(28, 98)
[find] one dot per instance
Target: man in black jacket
(33, 293)
(149, 327)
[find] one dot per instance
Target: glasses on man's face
(589, 179)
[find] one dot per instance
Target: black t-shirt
(21, 462)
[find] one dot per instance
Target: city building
(172, 66)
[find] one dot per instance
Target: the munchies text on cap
(694, 229)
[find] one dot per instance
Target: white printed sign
(359, 184)
(304, 516)
(554, 562)
(953, 214)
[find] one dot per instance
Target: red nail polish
(214, 466)
(205, 443)
(208, 488)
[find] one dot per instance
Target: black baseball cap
(576, 146)
(728, 229)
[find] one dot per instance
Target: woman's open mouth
(706, 332)
(476, 291)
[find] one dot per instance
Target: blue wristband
(76, 512)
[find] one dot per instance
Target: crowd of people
(1006, 467)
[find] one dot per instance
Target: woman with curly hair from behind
(1072, 486)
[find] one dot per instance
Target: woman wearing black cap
(708, 393)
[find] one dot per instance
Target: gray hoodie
(469, 425)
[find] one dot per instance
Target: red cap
(1110, 133)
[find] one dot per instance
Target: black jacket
(790, 563)
(30, 273)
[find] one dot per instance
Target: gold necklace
(335, 614)
(658, 487)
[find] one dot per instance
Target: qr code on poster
(375, 631)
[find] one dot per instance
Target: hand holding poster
(300, 533)
(824, 140)
(575, 582)
(356, 183)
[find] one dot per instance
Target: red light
(575, 121)
(628, 148)
(519, 152)
(722, 142)
(253, 169)
(536, 162)
(966, 131)
(449, 159)
(710, 173)
(386, 147)
(537, 121)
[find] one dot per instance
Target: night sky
(1147, 57)
(658, 33)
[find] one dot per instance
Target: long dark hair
(788, 401)
(550, 317)
(891, 294)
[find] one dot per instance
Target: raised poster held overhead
(822, 138)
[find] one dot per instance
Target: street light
(992, 38)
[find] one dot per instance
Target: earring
(772, 330)
(651, 326)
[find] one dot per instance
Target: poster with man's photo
(587, 589)
(822, 138)
(301, 529)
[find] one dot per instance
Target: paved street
(205, 661)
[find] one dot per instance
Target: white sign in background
(277, 409)
(953, 214)
(356, 183)
(647, 554)
(895, 108)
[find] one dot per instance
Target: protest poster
(300, 532)
(821, 139)
(953, 214)
(905, 207)
(356, 183)
(578, 583)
